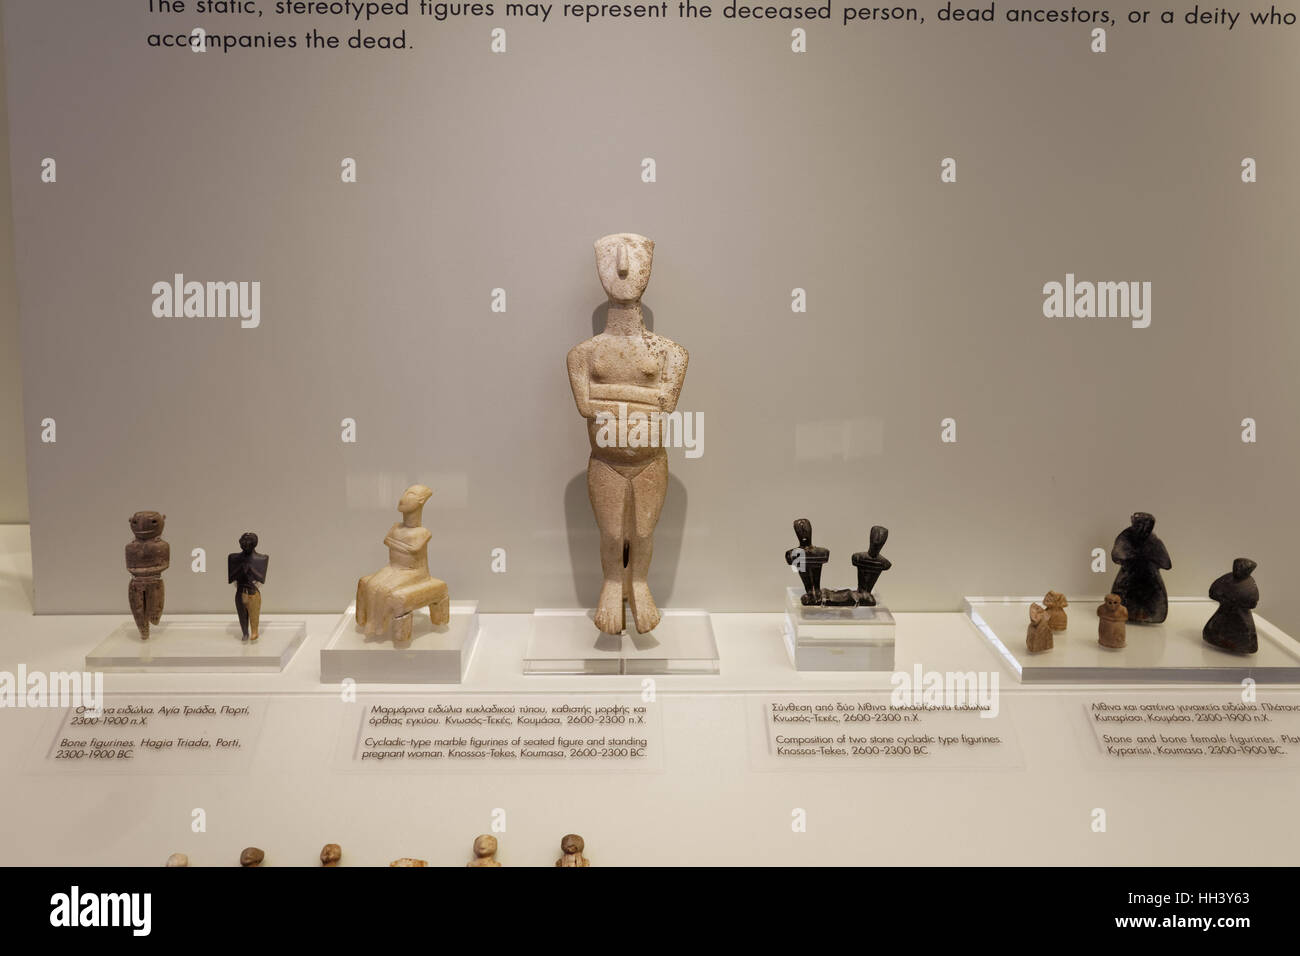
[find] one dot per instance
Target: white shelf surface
(1167, 653)
(707, 804)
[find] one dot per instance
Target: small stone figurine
(408, 861)
(147, 557)
(1232, 626)
(1039, 635)
(1056, 604)
(870, 564)
(391, 595)
(485, 851)
(246, 569)
(1141, 557)
(331, 854)
(809, 559)
(572, 846)
(178, 859)
(1110, 625)
(251, 856)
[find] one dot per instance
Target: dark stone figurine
(1141, 557)
(247, 569)
(809, 559)
(870, 564)
(1232, 626)
(147, 557)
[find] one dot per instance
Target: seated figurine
(572, 847)
(390, 596)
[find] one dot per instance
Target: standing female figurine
(623, 380)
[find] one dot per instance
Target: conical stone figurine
(1232, 626)
(147, 557)
(1111, 618)
(624, 381)
(1141, 557)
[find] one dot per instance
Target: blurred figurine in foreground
(572, 846)
(485, 851)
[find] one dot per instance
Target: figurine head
(623, 262)
(485, 846)
(1243, 568)
(1037, 613)
(147, 524)
(413, 498)
(878, 538)
(1111, 601)
(1055, 599)
(572, 844)
(1142, 523)
(247, 542)
(803, 531)
(330, 854)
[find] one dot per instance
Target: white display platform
(211, 646)
(434, 655)
(289, 795)
(1172, 652)
(566, 641)
(838, 638)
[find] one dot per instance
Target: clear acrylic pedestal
(434, 655)
(566, 641)
(1169, 653)
(200, 646)
(838, 638)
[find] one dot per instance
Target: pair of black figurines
(808, 559)
(148, 556)
(1141, 557)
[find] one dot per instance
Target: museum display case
(323, 289)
